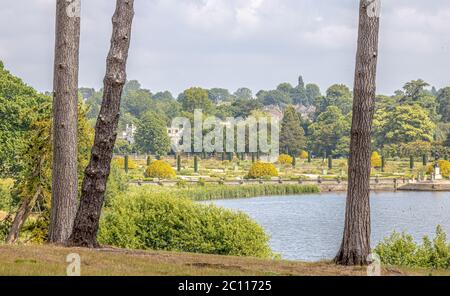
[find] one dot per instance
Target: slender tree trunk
(65, 118)
(21, 216)
(355, 247)
(96, 175)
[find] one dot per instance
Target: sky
(177, 44)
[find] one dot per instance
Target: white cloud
(332, 37)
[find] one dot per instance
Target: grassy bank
(213, 192)
(201, 193)
(49, 260)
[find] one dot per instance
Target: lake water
(309, 227)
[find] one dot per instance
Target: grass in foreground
(50, 260)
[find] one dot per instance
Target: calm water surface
(309, 227)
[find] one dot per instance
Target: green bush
(5, 226)
(117, 183)
(401, 250)
(158, 221)
(6, 199)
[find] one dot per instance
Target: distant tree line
(415, 120)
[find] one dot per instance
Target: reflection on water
(309, 227)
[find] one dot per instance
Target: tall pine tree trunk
(355, 247)
(65, 118)
(97, 172)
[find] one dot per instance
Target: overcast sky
(177, 44)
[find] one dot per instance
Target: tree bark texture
(355, 247)
(65, 118)
(97, 172)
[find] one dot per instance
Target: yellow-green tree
(375, 160)
(33, 185)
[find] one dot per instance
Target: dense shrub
(444, 165)
(120, 163)
(285, 159)
(416, 149)
(401, 250)
(117, 183)
(146, 220)
(160, 169)
(5, 226)
(5, 194)
(303, 155)
(262, 170)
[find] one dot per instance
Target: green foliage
(243, 94)
(124, 163)
(5, 226)
(414, 114)
(35, 230)
(196, 98)
(146, 220)
(342, 146)
(212, 192)
(243, 108)
(218, 95)
(36, 157)
(274, 97)
(416, 149)
(201, 182)
(444, 103)
(328, 130)
(94, 102)
(444, 166)
(6, 199)
(415, 94)
(312, 93)
(17, 104)
(404, 124)
(123, 147)
(339, 96)
(117, 183)
(137, 101)
(151, 135)
(401, 250)
(292, 135)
